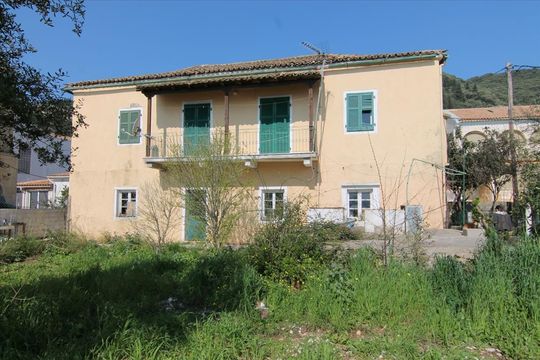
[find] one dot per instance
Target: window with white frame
(360, 111)
(357, 200)
(272, 204)
(126, 203)
(129, 131)
(38, 199)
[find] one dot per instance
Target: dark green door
(195, 227)
(196, 127)
(274, 133)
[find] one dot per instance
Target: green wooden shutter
(196, 127)
(134, 126)
(123, 136)
(274, 130)
(367, 112)
(353, 112)
(360, 112)
(129, 126)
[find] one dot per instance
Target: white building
(473, 123)
(43, 193)
(30, 167)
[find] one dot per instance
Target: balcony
(251, 145)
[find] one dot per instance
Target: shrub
(287, 249)
(20, 248)
(330, 231)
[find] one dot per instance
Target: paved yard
(447, 242)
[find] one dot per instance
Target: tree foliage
(491, 90)
(459, 152)
(213, 186)
(491, 162)
(34, 112)
(486, 163)
(158, 213)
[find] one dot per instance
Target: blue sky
(133, 37)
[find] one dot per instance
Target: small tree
(490, 164)
(61, 201)
(214, 185)
(460, 159)
(158, 213)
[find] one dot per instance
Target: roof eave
(367, 62)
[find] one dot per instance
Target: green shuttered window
(130, 127)
(275, 121)
(360, 112)
(196, 127)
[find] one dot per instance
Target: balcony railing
(178, 143)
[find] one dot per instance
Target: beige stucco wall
(409, 126)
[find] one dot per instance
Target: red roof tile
(33, 184)
(520, 112)
(282, 63)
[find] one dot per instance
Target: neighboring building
(22, 167)
(300, 130)
(8, 179)
(474, 121)
(44, 193)
(31, 168)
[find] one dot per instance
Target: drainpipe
(148, 123)
(311, 127)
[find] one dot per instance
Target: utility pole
(513, 160)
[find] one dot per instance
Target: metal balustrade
(175, 143)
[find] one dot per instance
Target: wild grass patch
(122, 300)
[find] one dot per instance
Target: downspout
(318, 111)
(148, 134)
(317, 115)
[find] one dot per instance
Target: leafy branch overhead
(34, 111)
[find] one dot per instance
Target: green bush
(20, 248)
(330, 231)
(287, 249)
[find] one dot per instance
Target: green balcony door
(274, 132)
(195, 226)
(196, 127)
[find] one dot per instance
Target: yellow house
(358, 135)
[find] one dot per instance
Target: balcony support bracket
(252, 164)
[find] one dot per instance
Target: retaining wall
(38, 221)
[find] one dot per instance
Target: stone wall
(38, 221)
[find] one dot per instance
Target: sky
(126, 37)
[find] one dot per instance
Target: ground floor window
(272, 204)
(358, 199)
(39, 199)
(126, 203)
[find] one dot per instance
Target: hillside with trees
(490, 89)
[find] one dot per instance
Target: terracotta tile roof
(232, 80)
(252, 66)
(35, 184)
(520, 112)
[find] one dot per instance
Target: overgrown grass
(121, 300)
